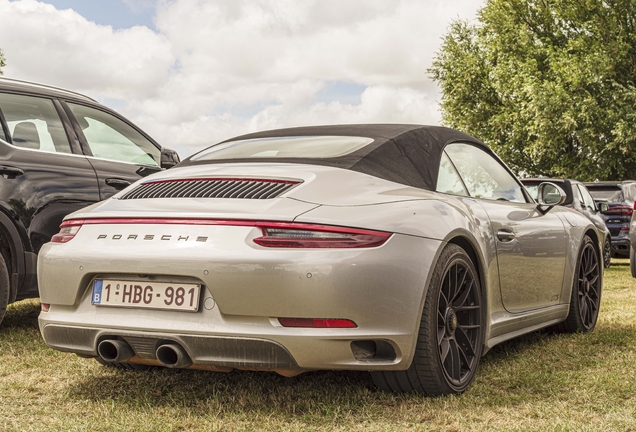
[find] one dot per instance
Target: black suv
(619, 198)
(59, 151)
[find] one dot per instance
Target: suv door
(531, 246)
(119, 152)
(44, 175)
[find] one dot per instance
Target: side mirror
(603, 207)
(549, 195)
(169, 158)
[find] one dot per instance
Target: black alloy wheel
(607, 253)
(450, 338)
(585, 301)
(458, 323)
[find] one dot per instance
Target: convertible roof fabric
(406, 154)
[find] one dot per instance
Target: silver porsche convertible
(403, 250)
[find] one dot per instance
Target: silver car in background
(403, 250)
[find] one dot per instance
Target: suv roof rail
(32, 84)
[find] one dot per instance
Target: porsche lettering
(164, 237)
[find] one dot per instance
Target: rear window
(606, 193)
(284, 147)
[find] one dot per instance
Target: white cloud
(223, 68)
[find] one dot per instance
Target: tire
(607, 253)
(449, 342)
(123, 366)
(5, 288)
(632, 261)
(585, 299)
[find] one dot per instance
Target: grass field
(539, 382)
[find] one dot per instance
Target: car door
(119, 152)
(531, 246)
(44, 174)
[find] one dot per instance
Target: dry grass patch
(541, 381)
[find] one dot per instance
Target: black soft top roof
(406, 154)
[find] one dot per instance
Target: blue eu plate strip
(97, 292)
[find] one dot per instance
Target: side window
(588, 201)
(34, 123)
(111, 138)
(483, 175)
(448, 180)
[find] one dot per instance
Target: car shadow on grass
(528, 367)
(21, 315)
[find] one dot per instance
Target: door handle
(117, 183)
(10, 172)
(505, 236)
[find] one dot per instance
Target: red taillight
(45, 307)
(634, 205)
(620, 211)
(316, 323)
(291, 235)
(275, 234)
(68, 230)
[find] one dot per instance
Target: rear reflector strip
(316, 323)
(275, 234)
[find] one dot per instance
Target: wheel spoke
(440, 334)
(444, 349)
(456, 361)
(459, 288)
(594, 291)
(583, 307)
(460, 300)
(464, 344)
(453, 283)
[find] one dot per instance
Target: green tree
(2, 63)
(550, 85)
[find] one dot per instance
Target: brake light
(68, 230)
(275, 234)
(620, 211)
(290, 235)
(634, 205)
(316, 323)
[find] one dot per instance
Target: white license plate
(146, 295)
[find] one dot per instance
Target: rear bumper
(245, 289)
(620, 246)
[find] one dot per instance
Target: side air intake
(211, 188)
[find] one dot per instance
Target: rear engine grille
(211, 188)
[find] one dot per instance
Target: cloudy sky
(194, 72)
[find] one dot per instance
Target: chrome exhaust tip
(173, 356)
(113, 350)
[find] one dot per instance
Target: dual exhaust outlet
(170, 355)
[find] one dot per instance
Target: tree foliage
(2, 63)
(548, 84)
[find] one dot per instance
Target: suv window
(483, 175)
(111, 138)
(607, 193)
(34, 123)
